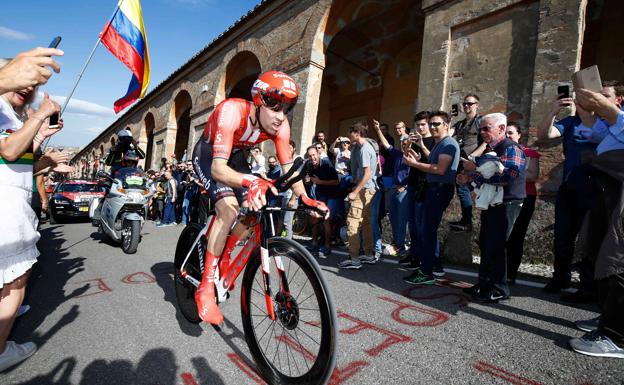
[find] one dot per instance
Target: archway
(240, 74)
(601, 40)
(182, 110)
(148, 134)
(369, 72)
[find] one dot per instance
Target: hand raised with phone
(47, 108)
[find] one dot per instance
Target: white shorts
(19, 236)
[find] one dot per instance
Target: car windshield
(81, 187)
(131, 177)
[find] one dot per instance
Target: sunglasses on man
(277, 106)
(468, 104)
(435, 124)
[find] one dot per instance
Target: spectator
(289, 200)
(321, 150)
(423, 143)
(363, 166)
(605, 335)
(170, 200)
(275, 171)
(497, 221)
(180, 176)
(398, 194)
(466, 132)
(325, 179)
(258, 162)
(163, 164)
(341, 149)
(320, 138)
(20, 135)
(515, 243)
(441, 171)
(572, 199)
(190, 194)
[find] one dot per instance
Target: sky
(176, 30)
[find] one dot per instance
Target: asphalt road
(102, 317)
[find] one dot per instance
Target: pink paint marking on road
(188, 379)
(495, 371)
(101, 285)
(437, 317)
(392, 338)
(138, 277)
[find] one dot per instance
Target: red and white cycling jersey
(228, 128)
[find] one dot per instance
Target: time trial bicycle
(288, 316)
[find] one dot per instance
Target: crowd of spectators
(364, 176)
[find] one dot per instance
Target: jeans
(465, 200)
(515, 242)
(186, 209)
(376, 228)
(169, 215)
(415, 222)
(399, 214)
(437, 198)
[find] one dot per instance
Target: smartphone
(55, 42)
(54, 119)
(455, 110)
(563, 92)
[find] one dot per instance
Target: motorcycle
(124, 208)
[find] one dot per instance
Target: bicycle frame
(236, 264)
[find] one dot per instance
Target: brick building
(388, 59)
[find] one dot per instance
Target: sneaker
(324, 252)
(406, 261)
(162, 225)
(22, 310)
(555, 285)
(369, 259)
(350, 264)
(16, 353)
(419, 278)
(490, 296)
(438, 271)
(472, 290)
(596, 344)
(588, 325)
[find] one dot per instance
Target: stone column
(303, 126)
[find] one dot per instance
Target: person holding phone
(22, 130)
(572, 199)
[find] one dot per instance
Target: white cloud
(13, 34)
(80, 107)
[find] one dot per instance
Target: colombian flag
(124, 36)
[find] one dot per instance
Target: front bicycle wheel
(184, 290)
(299, 346)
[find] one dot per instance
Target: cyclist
(220, 164)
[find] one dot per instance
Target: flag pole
(84, 67)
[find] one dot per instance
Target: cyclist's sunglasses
(277, 105)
